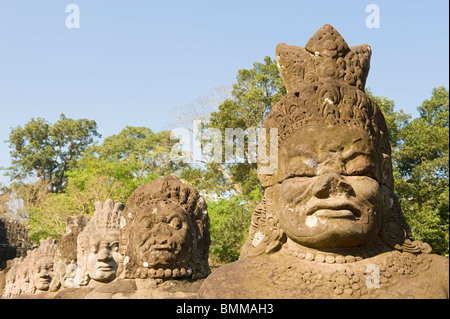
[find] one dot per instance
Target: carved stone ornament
(165, 232)
(98, 245)
(33, 273)
(65, 265)
(329, 224)
(164, 244)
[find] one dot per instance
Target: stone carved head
(165, 232)
(334, 184)
(43, 271)
(24, 283)
(37, 271)
(66, 253)
(10, 288)
(98, 244)
(33, 273)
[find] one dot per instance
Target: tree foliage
(145, 153)
(254, 93)
(230, 221)
(422, 171)
(46, 151)
(420, 158)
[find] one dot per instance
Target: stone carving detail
(156, 247)
(329, 215)
(165, 232)
(10, 289)
(325, 56)
(33, 273)
(98, 245)
(66, 253)
(42, 265)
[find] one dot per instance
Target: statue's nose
(104, 254)
(162, 229)
(332, 184)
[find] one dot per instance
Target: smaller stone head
(68, 277)
(11, 278)
(43, 273)
(164, 238)
(98, 244)
(42, 264)
(66, 253)
(165, 232)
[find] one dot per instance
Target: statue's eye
(361, 166)
(115, 246)
(176, 222)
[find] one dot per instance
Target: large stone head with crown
(333, 188)
(165, 232)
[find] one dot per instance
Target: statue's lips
(105, 267)
(161, 247)
(334, 209)
(44, 280)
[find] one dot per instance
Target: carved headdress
(325, 82)
(105, 220)
(170, 193)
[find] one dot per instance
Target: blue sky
(134, 62)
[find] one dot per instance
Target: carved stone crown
(325, 56)
(46, 248)
(107, 215)
(325, 83)
(165, 191)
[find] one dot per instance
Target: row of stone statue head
(161, 233)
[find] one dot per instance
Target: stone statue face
(161, 235)
(103, 257)
(22, 280)
(68, 280)
(43, 273)
(332, 196)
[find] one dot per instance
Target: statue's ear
(387, 173)
(200, 227)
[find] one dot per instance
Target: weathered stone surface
(42, 265)
(65, 263)
(8, 289)
(98, 245)
(163, 252)
(14, 241)
(148, 288)
(165, 232)
(329, 224)
(31, 274)
(284, 276)
(164, 244)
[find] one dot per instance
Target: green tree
(420, 162)
(146, 153)
(99, 180)
(253, 96)
(422, 171)
(396, 121)
(230, 221)
(114, 169)
(47, 151)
